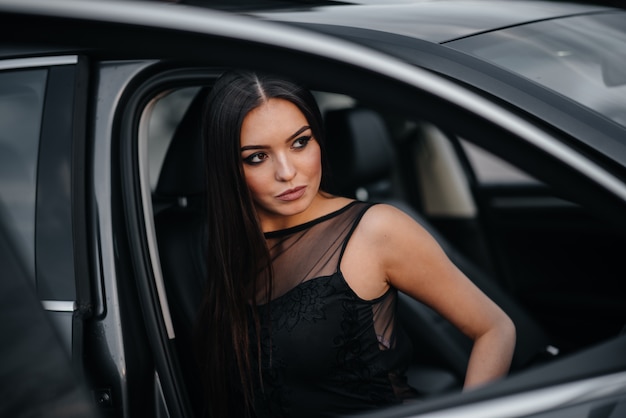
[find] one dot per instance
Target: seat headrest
(182, 173)
(359, 149)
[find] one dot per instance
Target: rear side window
(491, 170)
(21, 109)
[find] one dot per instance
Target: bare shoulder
(398, 238)
(382, 222)
(386, 246)
(385, 212)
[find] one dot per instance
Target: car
(499, 126)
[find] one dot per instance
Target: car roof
(431, 20)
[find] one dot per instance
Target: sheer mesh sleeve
(310, 250)
(313, 250)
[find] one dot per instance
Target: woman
(299, 313)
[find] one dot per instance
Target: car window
(492, 170)
(166, 114)
(21, 108)
(580, 57)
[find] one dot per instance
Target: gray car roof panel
(435, 21)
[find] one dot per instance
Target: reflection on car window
(492, 170)
(21, 107)
(166, 114)
(580, 57)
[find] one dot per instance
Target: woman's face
(281, 163)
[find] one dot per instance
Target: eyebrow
(292, 136)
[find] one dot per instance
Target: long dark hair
(238, 259)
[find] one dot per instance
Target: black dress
(324, 350)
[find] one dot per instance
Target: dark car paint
(36, 378)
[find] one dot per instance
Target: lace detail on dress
(302, 303)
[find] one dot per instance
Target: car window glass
(580, 57)
(166, 114)
(21, 107)
(492, 170)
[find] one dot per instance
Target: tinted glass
(582, 57)
(492, 170)
(166, 114)
(54, 242)
(21, 106)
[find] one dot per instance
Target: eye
(301, 142)
(256, 158)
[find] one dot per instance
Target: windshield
(582, 57)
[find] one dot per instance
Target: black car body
(102, 209)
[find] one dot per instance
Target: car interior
(380, 157)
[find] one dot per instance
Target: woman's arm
(414, 263)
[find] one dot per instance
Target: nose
(285, 169)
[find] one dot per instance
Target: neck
(321, 205)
